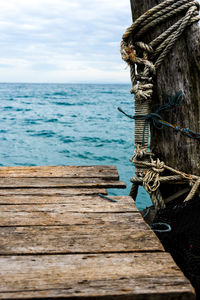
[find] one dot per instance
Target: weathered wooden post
(180, 70)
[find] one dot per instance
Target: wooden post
(179, 71)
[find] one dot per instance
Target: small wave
(72, 104)
(103, 141)
(30, 131)
(63, 103)
(114, 141)
(66, 124)
(85, 155)
(24, 96)
(118, 141)
(44, 133)
(89, 156)
(7, 108)
(59, 94)
(51, 121)
(66, 139)
(18, 109)
(106, 92)
(32, 121)
(106, 158)
(90, 139)
(64, 151)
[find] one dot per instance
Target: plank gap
(83, 253)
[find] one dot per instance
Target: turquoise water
(68, 124)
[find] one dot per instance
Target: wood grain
(59, 239)
(58, 214)
(110, 276)
(100, 238)
(106, 172)
(75, 203)
(60, 182)
(52, 191)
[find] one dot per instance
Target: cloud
(62, 40)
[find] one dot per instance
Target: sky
(66, 41)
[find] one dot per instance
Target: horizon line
(26, 82)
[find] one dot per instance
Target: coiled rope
(144, 60)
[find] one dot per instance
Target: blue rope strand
(173, 102)
(160, 227)
(158, 122)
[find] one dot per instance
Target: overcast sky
(63, 40)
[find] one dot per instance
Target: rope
(153, 53)
(134, 191)
(146, 213)
(158, 122)
(152, 179)
(107, 198)
(193, 190)
(160, 227)
(184, 131)
(157, 200)
(144, 60)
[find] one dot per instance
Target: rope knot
(159, 168)
(151, 180)
(128, 54)
(151, 68)
(142, 91)
(139, 152)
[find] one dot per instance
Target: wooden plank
(78, 239)
(106, 172)
(51, 191)
(75, 203)
(109, 276)
(58, 214)
(60, 182)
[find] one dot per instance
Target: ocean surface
(68, 124)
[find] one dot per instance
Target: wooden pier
(59, 239)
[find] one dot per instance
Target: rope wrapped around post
(144, 60)
(152, 179)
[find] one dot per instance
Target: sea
(68, 124)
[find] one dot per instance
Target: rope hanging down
(144, 60)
